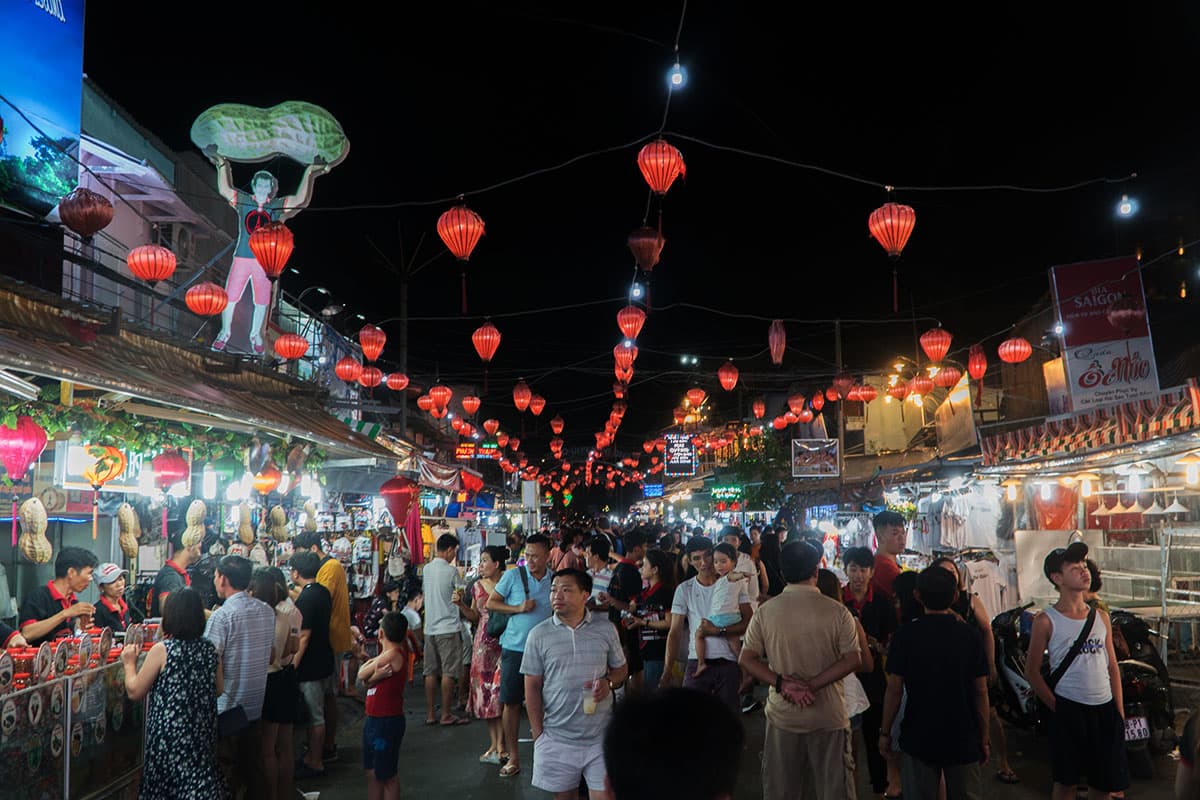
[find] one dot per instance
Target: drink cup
(589, 698)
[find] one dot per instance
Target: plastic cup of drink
(589, 698)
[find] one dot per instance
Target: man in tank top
(1087, 731)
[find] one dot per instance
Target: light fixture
(332, 310)
(1183, 290)
(1011, 486)
(1067, 481)
(1085, 483)
(208, 483)
(636, 291)
(1126, 207)
(1191, 462)
(1047, 491)
(1102, 509)
(1155, 508)
(1136, 508)
(1176, 507)
(1059, 328)
(677, 76)
(893, 380)
(934, 370)
(898, 366)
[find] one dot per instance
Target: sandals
(491, 758)
(1007, 776)
(509, 770)
(452, 721)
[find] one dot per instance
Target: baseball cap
(1073, 554)
(107, 573)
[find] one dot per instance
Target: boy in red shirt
(385, 676)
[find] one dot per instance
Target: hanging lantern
(151, 263)
(947, 377)
(370, 377)
(399, 494)
(891, 224)
(647, 246)
(630, 320)
(522, 395)
(109, 465)
(556, 443)
(514, 443)
(501, 439)
(291, 346)
(206, 299)
(696, 396)
(470, 404)
(460, 229)
(790, 418)
(536, 404)
(867, 393)
(169, 468)
(619, 388)
(491, 426)
(1125, 314)
(441, 395)
(372, 340)
(899, 391)
(620, 407)
(84, 211)
(680, 415)
(728, 376)
(556, 424)
(921, 384)
(456, 424)
(831, 394)
(779, 423)
(842, 383)
(21, 446)
(624, 356)
(438, 413)
(661, 163)
(486, 339)
(624, 375)
(805, 415)
(647, 446)
(425, 402)
(818, 401)
(660, 445)
(272, 247)
(1015, 350)
(348, 369)
(397, 381)
(777, 341)
(758, 408)
(855, 394)
(936, 343)
(795, 402)
(267, 480)
(977, 363)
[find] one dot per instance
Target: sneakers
(750, 705)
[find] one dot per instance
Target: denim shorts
(381, 745)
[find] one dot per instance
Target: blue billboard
(41, 85)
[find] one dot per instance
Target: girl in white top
(724, 610)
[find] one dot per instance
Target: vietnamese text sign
(815, 458)
(652, 490)
(679, 458)
(1105, 364)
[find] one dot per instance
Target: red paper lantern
(21, 446)
(818, 401)
(805, 415)
(1125, 314)
(661, 163)
(728, 376)
(397, 381)
(514, 443)
(398, 495)
(891, 224)
(372, 340)
(348, 369)
(522, 395)
(899, 391)
(370, 377)
(758, 408)
(84, 211)
(777, 341)
(696, 396)
(619, 388)
(170, 468)
(439, 413)
(491, 426)
(660, 445)
(441, 395)
(206, 299)
(867, 393)
(151, 263)
(267, 480)
(855, 394)
(936, 343)
(272, 245)
(456, 424)
(486, 339)
(556, 424)
(680, 415)
(291, 346)
(647, 446)
(831, 394)
(502, 439)
(647, 246)
(790, 418)
(1015, 350)
(460, 229)
(977, 362)
(425, 402)
(947, 377)
(536, 404)
(625, 356)
(920, 384)
(470, 404)
(779, 423)
(842, 383)
(795, 402)
(630, 320)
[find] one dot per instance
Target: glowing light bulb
(1193, 474)
(1058, 329)
(677, 76)
(1085, 488)
(208, 483)
(1011, 492)
(1183, 290)
(1126, 206)
(1047, 491)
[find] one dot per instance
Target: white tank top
(1086, 680)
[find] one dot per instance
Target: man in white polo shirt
(572, 661)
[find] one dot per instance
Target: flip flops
(509, 770)
(454, 721)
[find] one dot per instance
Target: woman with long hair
(652, 617)
(769, 556)
(283, 689)
(485, 660)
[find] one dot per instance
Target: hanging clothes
(988, 583)
(982, 515)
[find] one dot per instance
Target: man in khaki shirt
(802, 644)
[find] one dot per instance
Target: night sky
(442, 98)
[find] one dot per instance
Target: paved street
(443, 762)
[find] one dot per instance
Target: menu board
(679, 458)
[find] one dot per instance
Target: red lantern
(169, 468)
(660, 445)
(399, 494)
(502, 439)
(728, 376)
(795, 402)
(758, 408)
(842, 383)
(556, 443)
(514, 443)
(522, 395)
(268, 480)
(1015, 350)
(696, 396)
(630, 320)
(491, 426)
(425, 402)
(348, 369)
(777, 341)
(619, 389)
(899, 391)
(370, 377)
(620, 407)
(21, 446)
(947, 377)
(151, 263)
(206, 299)
(460, 229)
(84, 211)
(891, 224)
(291, 346)
(647, 246)
(536, 404)
(855, 394)
(372, 340)
(920, 384)
(647, 446)
(805, 415)
(397, 381)
(818, 401)
(556, 424)
(779, 423)
(272, 247)
(624, 356)
(661, 163)
(790, 418)
(457, 424)
(438, 413)
(831, 394)
(441, 395)
(624, 375)
(867, 393)
(977, 362)
(486, 339)
(936, 343)
(470, 404)
(680, 415)
(1125, 314)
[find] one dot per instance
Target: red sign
(1085, 291)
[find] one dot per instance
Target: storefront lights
(1191, 463)
(285, 483)
(1011, 486)
(208, 483)
(1086, 481)
(1047, 491)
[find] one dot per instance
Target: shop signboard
(726, 493)
(954, 420)
(680, 456)
(815, 458)
(652, 490)
(465, 451)
(70, 461)
(468, 451)
(41, 79)
(1107, 349)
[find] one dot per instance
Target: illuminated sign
(487, 450)
(652, 490)
(726, 493)
(70, 461)
(679, 458)
(465, 451)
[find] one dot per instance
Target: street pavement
(437, 762)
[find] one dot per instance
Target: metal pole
(837, 357)
(404, 352)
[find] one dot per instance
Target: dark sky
(442, 98)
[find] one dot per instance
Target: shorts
(1089, 741)
(558, 763)
(247, 270)
(381, 745)
(468, 646)
(282, 697)
(314, 698)
(512, 682)
(443, 655)
(725, 620)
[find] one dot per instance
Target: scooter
(1015, 700)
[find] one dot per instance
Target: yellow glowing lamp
(1191, 463)
(1086, 480)
(1011, 485)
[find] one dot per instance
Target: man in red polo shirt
(173, 576)
(50, 610)
(891, 534)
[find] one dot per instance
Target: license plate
(1136, 729)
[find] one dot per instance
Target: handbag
(498, 620)
(232, 721)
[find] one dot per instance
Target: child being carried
(724, 610)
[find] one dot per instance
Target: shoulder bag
(1054, 677)
(498, 620)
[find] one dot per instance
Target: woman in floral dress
(485, 661)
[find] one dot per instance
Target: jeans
(652, 672)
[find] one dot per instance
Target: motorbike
(1013, 695)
